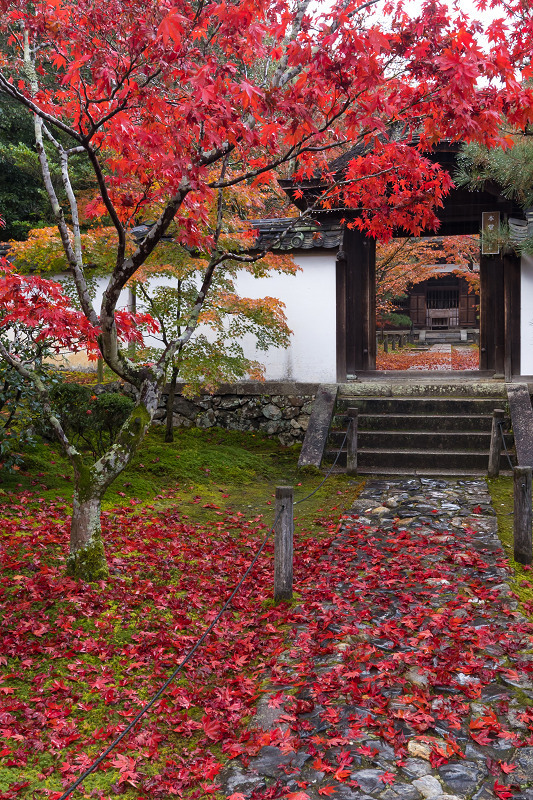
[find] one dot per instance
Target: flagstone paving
(413, 677)
(445, 361)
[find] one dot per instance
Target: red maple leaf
(502, 791)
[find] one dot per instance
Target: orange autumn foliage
(401, 263)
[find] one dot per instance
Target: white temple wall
(526, 315)
(310, 307)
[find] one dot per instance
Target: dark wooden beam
(512, 301)
(491, 314)
(370, 347)
(340, 291)
(360, 253)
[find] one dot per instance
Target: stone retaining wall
(276, 408)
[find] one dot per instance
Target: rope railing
(280, 509)
(502, 434)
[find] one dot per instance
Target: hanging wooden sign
(490, 223)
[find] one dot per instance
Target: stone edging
(276, 408)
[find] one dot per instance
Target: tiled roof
(285, 234)
(521, 229)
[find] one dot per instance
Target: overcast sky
(468, 6)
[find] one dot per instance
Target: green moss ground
(501, 491)
(220, 469)
(223, 468)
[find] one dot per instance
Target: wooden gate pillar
(491, 314)
(356, 304)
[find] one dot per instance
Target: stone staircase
(419, 428)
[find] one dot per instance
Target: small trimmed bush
(90, 421)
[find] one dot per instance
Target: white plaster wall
(97, 288)
(310, 308)
(526, 315)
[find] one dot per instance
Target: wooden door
(417, 305)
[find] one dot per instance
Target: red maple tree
(170, 103)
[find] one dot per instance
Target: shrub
(91, 421)
(18, 408)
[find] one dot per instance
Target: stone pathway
(445, 361)
(417, 675)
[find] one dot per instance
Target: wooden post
(385, 343)
(522, 515)
(495, 443)
(341, 336)
(393, 341)
(351, 453)
(283, 544)
(360, 305)
(491, 313)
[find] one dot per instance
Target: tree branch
(30, 375)
(75, 257)
(7, 88)
(301, 9)
(111, 210)
(129, 266)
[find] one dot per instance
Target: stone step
(440, 472)
(436, 386)
(420, 427)
(419, 440)
(417, 422)
(450, 406)
(384, 459)
(441, 337)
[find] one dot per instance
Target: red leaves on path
(81, 660)
(461, 358)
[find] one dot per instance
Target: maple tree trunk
(169, 431)
(86, 559)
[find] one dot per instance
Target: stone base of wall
(277, 409)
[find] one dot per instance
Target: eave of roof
(288, 234)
